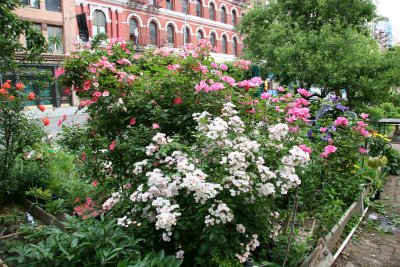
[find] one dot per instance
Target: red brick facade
(155, 17)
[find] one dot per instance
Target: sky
(391, 9)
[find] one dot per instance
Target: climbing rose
(19, 86)
(42, 108)
(31, 96)
(46, 121)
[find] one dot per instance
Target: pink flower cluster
(229, 80)
(294, 114)
(242, 64)
(124, 61)
(247, 84)
(304, 92)
(361, 127)
(329, 149)
(203, 86)
(174, 67)
(59, 72)
(341, 121)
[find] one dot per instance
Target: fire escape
(151, 8)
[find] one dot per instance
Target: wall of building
(119, 15)
(65, 19)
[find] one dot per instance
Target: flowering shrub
(181, 146)
(16, 133)
(227, 165)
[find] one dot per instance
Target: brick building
(168, 23)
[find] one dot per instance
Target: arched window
(199, 9)
(224, 43)
(212, 11)
(169, 4)
(99, 22)
(153, 33)
(171, 34)
(235, 46)
(213, 40)
(223, 14)
(234, 18)
(199, 35)
(185, 6)
(133, 24)
(187, 36)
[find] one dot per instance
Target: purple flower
(342, 108)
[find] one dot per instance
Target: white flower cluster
(251, 246)
(287, 172)
(139, 166)
(278, 131)
(160, 139)
(166, 216)
(110, 202)
(219, 214)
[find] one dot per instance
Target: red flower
(6, 85)
(178, 100)
(42, 108)
(11, 97)
(19, 86)
(133, 121)
(3, 91)
(31, 96)
(94, 183)
(46, 121)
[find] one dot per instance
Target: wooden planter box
(40, 214)
(322, 255)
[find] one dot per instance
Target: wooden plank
(40, 214)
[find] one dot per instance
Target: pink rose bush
(181, 144)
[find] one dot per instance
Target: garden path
(377, 240)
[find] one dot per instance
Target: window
(133, 24)
(185, 6)
(224, 45)
(235, 46)
(199, 8)
(170, 34)
(199, 35)
(169, 5)
(234, 18)
(187, 36)
(153, 33)
(36, 27)
(31, 3)
(223, 14)
(99, 22)
(213, 39)
(55, 39)
(212, 11)
(53, 5)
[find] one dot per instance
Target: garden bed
(323, 255)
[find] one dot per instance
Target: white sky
(391, 9)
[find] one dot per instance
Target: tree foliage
(11, 28)
(319, 42)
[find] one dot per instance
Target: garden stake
(294, 210)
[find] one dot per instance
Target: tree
(11, 28)
(318, 42)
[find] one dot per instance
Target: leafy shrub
(85, 243)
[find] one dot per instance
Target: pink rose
(156, 126)
(323, 130)
(362, 150)
(341, 121)
(364, 116)
(112, 146)
(305, 148)
(265, 95)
